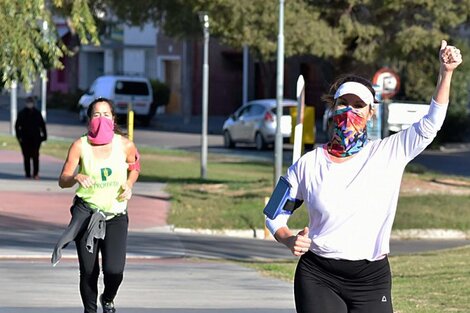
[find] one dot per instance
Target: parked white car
(402, 114)
(122, 90)
(255, 122)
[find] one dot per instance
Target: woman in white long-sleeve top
(350, 187)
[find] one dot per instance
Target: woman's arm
(133, 175)
(407, 144)
(67, 177)
(131, 152)
(449, 58)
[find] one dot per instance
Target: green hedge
(68, 101)
(161, 92)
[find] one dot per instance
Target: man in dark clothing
(30, 131)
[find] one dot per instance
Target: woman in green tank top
(105, 166)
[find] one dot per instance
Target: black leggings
(325, 285)
(113, 254)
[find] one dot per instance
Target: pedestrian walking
(350, 187)
(108, 167)
(31, 132)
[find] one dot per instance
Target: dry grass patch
(414, 184)
(224, 189)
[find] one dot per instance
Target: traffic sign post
(298, 128)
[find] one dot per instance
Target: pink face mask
(101, 130)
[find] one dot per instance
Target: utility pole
(13, 107)
(205, 93)
(278, 143)
(245, 74)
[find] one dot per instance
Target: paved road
(164, 286)
(452, 160)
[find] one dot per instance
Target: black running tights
(113, 255)
(325, 285)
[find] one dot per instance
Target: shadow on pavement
(143, 310)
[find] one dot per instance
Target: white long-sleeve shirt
(352, 204)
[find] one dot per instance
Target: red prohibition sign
(388, 82)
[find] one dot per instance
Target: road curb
(431, 234)
(455, 147)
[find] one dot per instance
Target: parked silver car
(255, 122)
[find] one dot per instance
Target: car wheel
(121, 120)
(82, 117)
(260, 142)
(145, 120)
(152, 110)
(228, 142)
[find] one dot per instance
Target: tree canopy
(351, 35)
(368, 34)
(29, 38)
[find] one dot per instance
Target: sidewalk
(31, 202)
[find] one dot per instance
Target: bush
(456, 128)
(161, 92)
(68, 101)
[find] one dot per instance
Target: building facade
(147, 51)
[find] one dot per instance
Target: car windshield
(131, 88)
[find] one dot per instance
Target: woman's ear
(372, 112)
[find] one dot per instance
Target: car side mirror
(233, 116)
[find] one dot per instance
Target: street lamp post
(44, 94)
(205, 93)
(279, 95)
(45, 28)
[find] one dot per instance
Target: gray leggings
(325, 285)
(113, 254)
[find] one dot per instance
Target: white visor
(357, 89)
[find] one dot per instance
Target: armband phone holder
(280, 201)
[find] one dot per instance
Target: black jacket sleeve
(19, 125)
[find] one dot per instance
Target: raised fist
(450, 56)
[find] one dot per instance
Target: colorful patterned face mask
(349, 132)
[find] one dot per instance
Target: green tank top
(109, 175)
